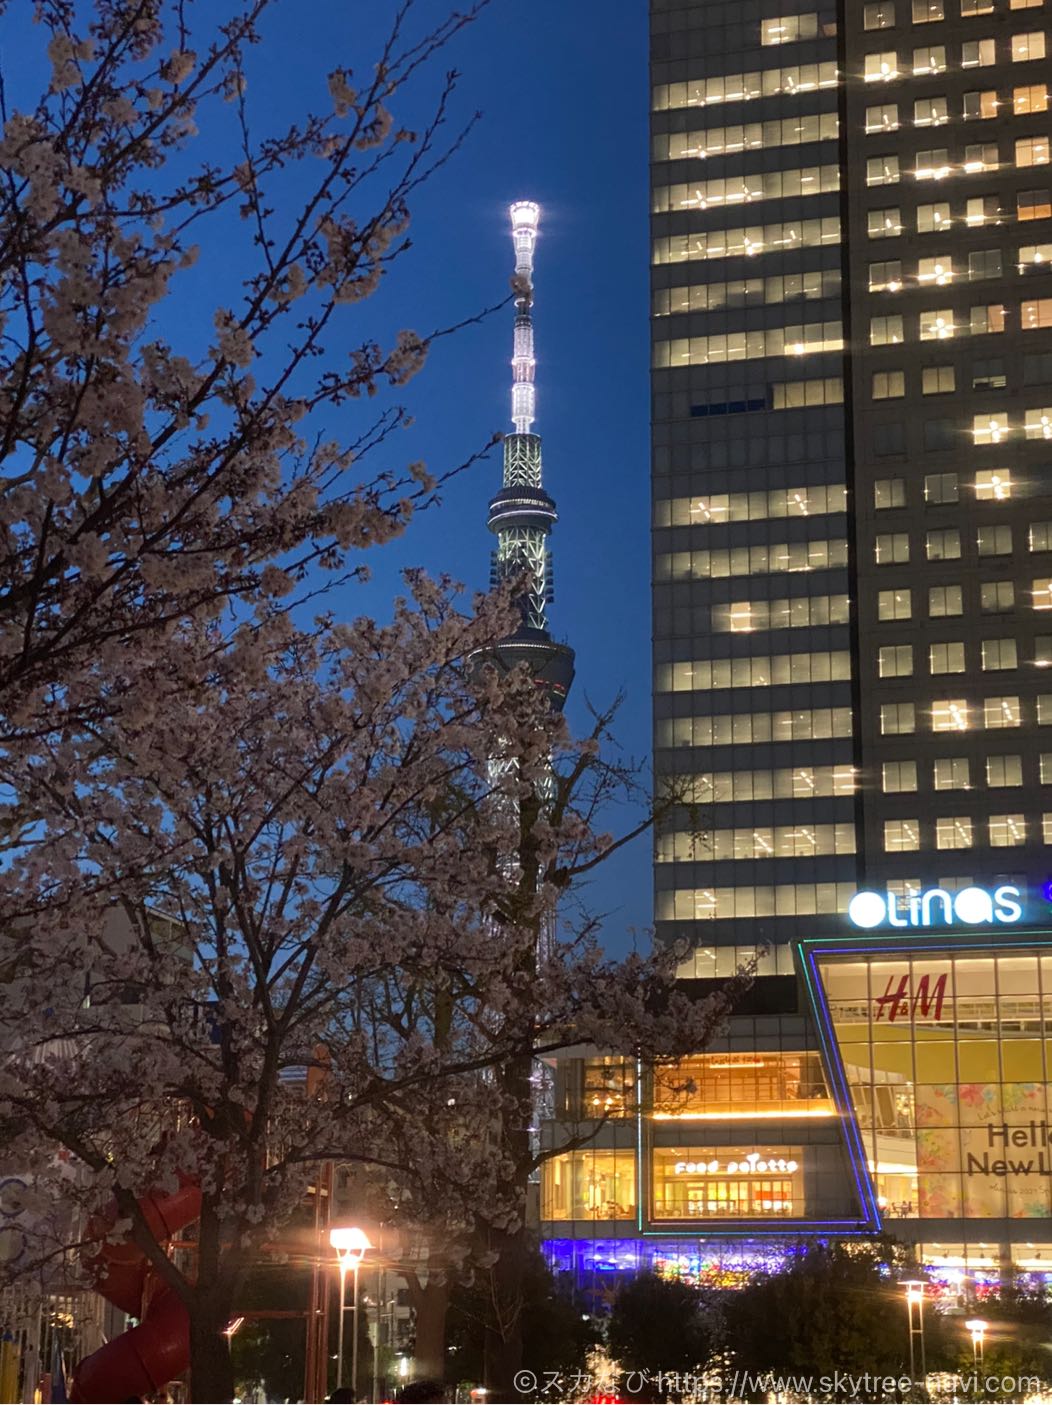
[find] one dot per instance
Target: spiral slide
(144, 1359)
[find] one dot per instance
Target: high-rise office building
(852, 414)
(851, 238)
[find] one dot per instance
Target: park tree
(659, 1327)
(833, 1307)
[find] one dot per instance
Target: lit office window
(1037, 423)
(936, 324)
(1007, 831)
(751, 507)
(1042, 593)
(748, 241)
(937, 380)
(940, 487)
(894, 605)
(884, 117)
(889, 492)
(926, 11)
(792, 395)
(1033, 205)
(944, 601)
(761, 559)
(1035, 313)
(990, 427)
(951, 773)
(984, 263)
(884, 224)
(946, 657)
(930, 112)
(996, 597)
(976, 7)
(994, 541)
(895, 661)
(937, 269)
(933, 219)
(885, 331)
(746, 292)
(746, 728)
(786, 783)
(1028, 46)
(755, 671)
(762, 842)
(897, 719)
(892, 548)
(1004, 771)
(899, 776)
(981, 156)
(885, 277)
(779, 900)
(943, 544)
(978, 53)
(745, 136)
(901, 835)
(986, 318)
(881, 67)
(1002, 712)
(744, 87)
(999, 654)
(722, 191)
(929, 58)
(787, 29)
(980, 106)
(889, 385)
(993, 485)
(1032, 151)
(797, 612)
(882, 170)
(1030, 97)
(949, 715)
(953, 832)
(878, 14)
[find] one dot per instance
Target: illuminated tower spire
(522, 514)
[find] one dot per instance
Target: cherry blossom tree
(145, 477)
(308, 820)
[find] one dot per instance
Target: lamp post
(350, 1244)
(977, 1327)
(915, 1318)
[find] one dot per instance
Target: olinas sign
(971, 907)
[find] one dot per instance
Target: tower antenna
(522, 514)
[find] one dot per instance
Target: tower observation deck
(521, 513)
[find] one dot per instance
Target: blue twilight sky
(561, 87)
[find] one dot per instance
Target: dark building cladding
(852, 412)
(851, 238)
(521, 513)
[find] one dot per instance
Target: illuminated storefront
(910, 1092)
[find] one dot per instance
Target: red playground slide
(144, 1359)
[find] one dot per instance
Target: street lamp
(915, 1318)
(977, 1327)
(350, 1245)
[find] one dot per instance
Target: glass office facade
(948, 1059)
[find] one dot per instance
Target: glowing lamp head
(350, 1242)
(525, 214)
(914, 1290)
(976, 1325)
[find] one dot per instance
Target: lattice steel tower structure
(521, 514)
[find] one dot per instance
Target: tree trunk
(430, 1302)
(211, 1370)
(503, 1342)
